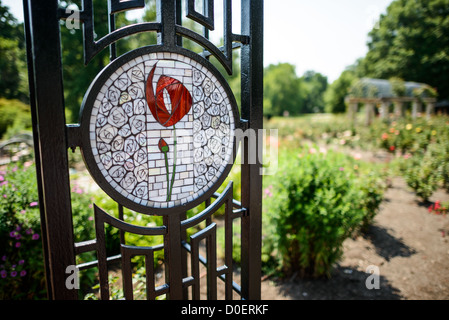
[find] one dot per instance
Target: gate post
(50, 133)
(252, 110)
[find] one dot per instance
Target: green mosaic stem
(168, 174)
(175, 151)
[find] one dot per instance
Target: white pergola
(379, 93)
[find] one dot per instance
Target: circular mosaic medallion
(158, 130)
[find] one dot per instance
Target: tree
(412, 43)
(77, 77)
(314, 84)
(13, 74)
(282, 90)
(334, 97)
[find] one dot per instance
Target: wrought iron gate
(122, 110)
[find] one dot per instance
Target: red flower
(392, 148)
(181, 103)
(180, 98)
(437, 205)
(163, 146)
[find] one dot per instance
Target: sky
(325, 36)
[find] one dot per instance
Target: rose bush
(315, 202)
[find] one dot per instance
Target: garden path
(409, 245)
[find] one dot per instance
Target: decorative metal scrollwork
(206, 19)
(157, 134)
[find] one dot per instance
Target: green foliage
(13, 84)
(113, 235)
(15, 116)
(411, 42)
(397, 86)
(13, 75)
(363, 89)
(334, 96)
(428, 169)
(77, 77)
(284, 92)
(311, 206)
(281, 90)
(22, 273)
(314, 85)
(425, 92)
(421, 145)
(372, 185)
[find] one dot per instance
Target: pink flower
(437, 205)
(341, 169)
(23, 273)
(35, 236)
(78, 190)
(2, 178)
(13, 274)
(18, 244)
(33, 204)
(3, 273)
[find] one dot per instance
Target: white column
(416, 108)
(384, 110)
(398, 109)
(430, 108)
(369, 109)
(353, 106)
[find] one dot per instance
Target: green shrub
(22, 274)
(113, 234)
(425, 172)
(311, 206)
(372, 187)
(15, 116)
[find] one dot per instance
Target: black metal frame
(53, 137)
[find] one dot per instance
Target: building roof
(384, 89)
